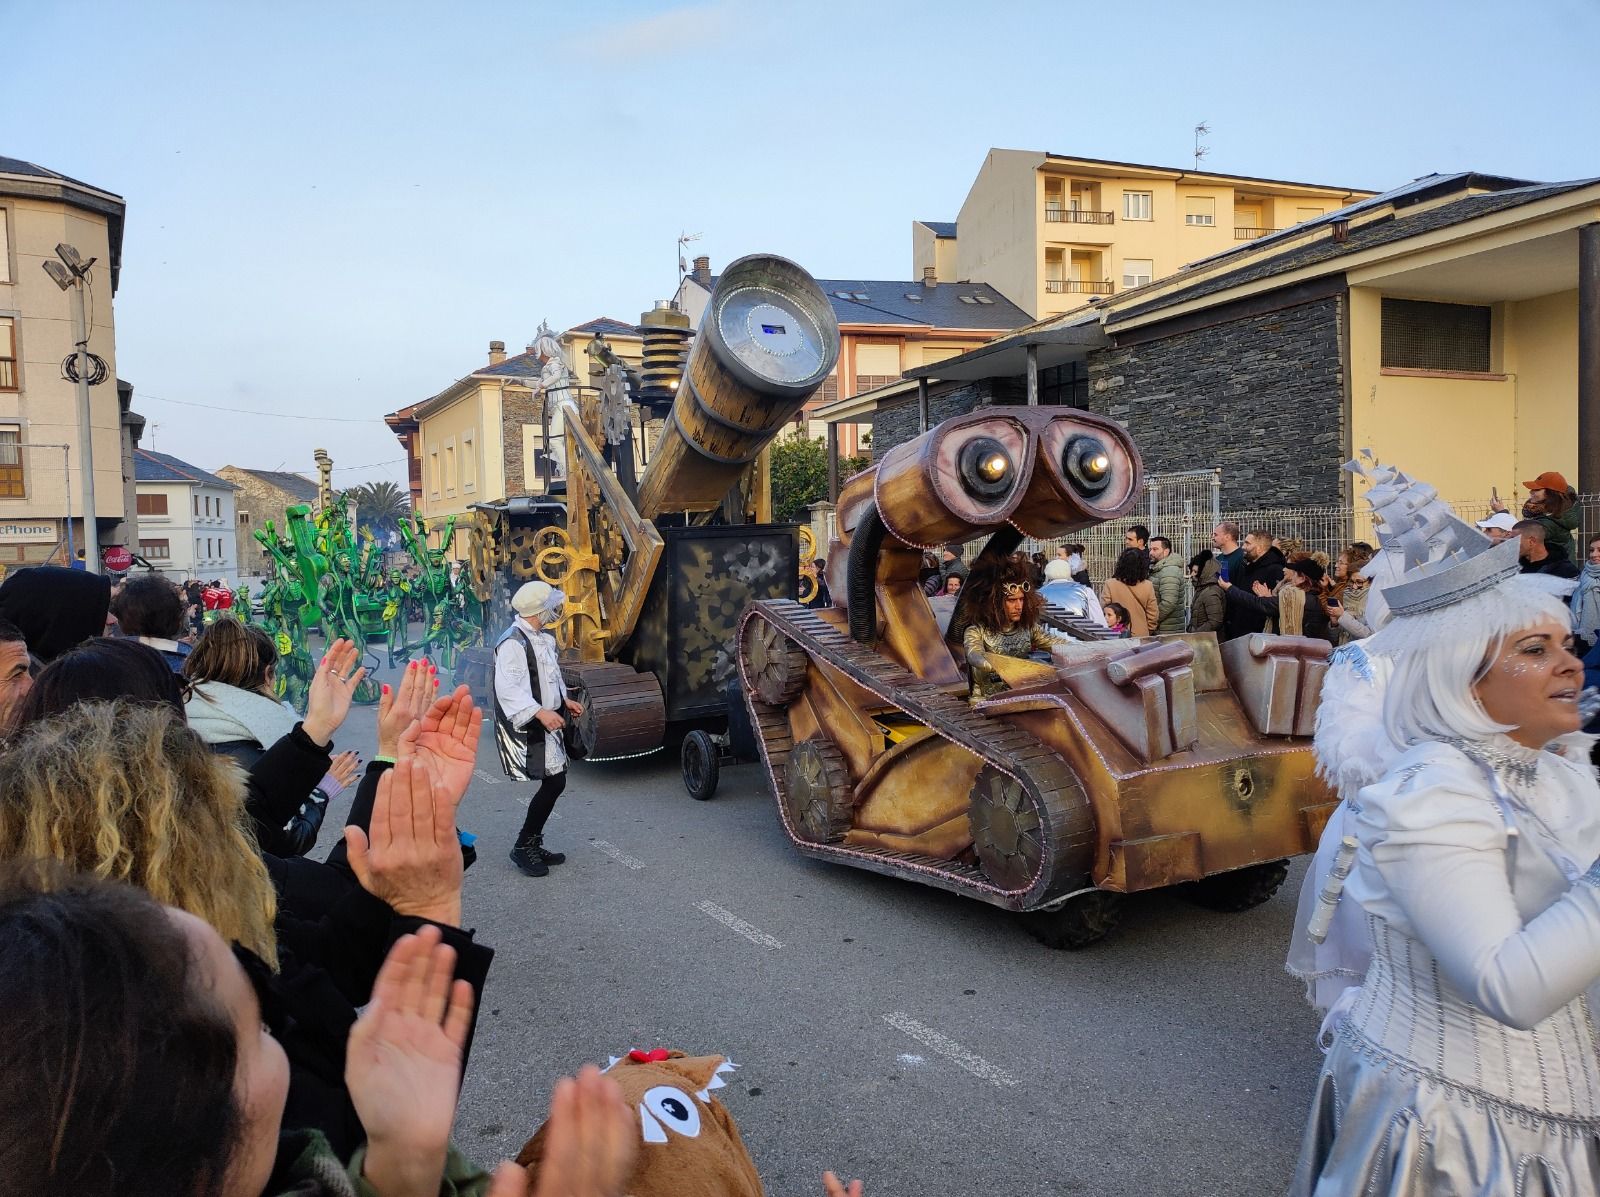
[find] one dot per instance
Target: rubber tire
(1242, 889)
(702, 768)
(1084, 920)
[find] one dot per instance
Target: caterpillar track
(1034, 831)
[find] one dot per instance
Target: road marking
(618, 855)
(482, 775)
(736, 924)
(945, 1046)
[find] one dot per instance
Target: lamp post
(70, 273)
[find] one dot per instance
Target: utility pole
(70, 274)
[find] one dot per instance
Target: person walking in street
(1541, 555)
(1129, 586)
(1227, 549)
(1263, 564)
(1209, 607)
(1166, 575)
(530, 705)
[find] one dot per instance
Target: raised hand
(445, 742)
(333, 687)
(832, 1186)
(591, 1139)
(411, 857)
(403, 1064)
(1262, 590)
(344, 768)
(402, 705)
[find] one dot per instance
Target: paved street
(920, 1041)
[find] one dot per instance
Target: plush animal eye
(665, 1106)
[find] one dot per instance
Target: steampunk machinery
(1112, 767)
(657, 574)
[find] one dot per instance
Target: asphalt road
(915, 1039)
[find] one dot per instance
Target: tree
(379, 506)
(799, 467)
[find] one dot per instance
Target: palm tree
(379, 505)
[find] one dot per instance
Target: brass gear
(523, 546)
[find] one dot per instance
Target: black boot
(528, 857)
(545, 854)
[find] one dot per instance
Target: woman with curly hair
(1004, 609)
(1129, 585)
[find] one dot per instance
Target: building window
(450, 468)
(197, 516)
(1199, 210)
(469, 463)
(150, 504)
(155, 550)
(1136, 205)
(433, 473)
(1303, 214)
(1435, 336)
(13, 481)
(244, 519)
(8, 345)
(1136, 272)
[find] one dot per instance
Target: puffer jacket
(1209, 607)
(1166, 576)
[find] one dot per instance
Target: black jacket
(1245, 618)
(1315, 623)
(55, 608)
(278, 783)
(1556, 563)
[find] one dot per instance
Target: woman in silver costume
(1466, 1063)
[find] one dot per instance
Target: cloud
(660, 34)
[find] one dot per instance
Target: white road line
(736, 924)
(946, 1046)
(490, 778)
(618, 855)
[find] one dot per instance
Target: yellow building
(41, 481)
(1050, 231)
(485, 437)
(1451, 325)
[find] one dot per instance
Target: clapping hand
(333, 687)
(445, 742)
(401, 706)
(591, 1139)
(1261, 589)
(403, 1064)
(344, 768)
(832, 1186)
(411, 857)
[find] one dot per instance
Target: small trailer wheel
(702, 766)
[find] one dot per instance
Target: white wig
(1439, 656)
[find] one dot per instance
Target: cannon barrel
(767, 341)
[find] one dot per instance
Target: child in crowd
(1117, 619)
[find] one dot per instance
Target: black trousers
(541, 804)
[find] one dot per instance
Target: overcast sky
(333, 208)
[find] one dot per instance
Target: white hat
(1503, 520)
(536, 598)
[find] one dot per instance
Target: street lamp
(71, 273)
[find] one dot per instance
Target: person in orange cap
(1554, 504)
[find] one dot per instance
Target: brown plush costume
(691, 1147)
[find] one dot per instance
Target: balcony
(1078, 216)
(1074, 286)
(1248, 232)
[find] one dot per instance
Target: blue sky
(333, 208)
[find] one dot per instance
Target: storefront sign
(29, 531)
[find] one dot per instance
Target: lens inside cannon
(986, 468)
(1087, 464)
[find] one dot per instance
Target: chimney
(702, 271)
(929, 277)
(497, 352)
(1341, 231)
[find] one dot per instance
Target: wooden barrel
(767, 341)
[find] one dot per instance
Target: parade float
(1114, 767)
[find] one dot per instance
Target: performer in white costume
(1466, 1063)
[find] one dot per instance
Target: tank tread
(624, 712)
(1067, 822)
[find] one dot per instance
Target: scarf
(1586, 604)
(1291, 611)
(222, 714)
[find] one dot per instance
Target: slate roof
(941, 228)
(1300, 253)
(150, 466)
(519, 365)
(914, 305)
(606, 326)
(16, 166)
(296, 486)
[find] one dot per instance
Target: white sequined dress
(1469, 1064)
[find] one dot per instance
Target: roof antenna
(1200, 151)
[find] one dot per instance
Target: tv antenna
(1200, 149)
(683, 263)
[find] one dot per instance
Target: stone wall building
(264, 495)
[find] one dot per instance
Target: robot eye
(986, 469)
(665, 1106)
(1087, 463)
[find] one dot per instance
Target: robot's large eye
(665, 1106)
(986, 468)
(1087, 464)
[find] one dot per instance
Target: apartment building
(264, 496)
(1053, 232)
(41, 479)
(186, 518)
